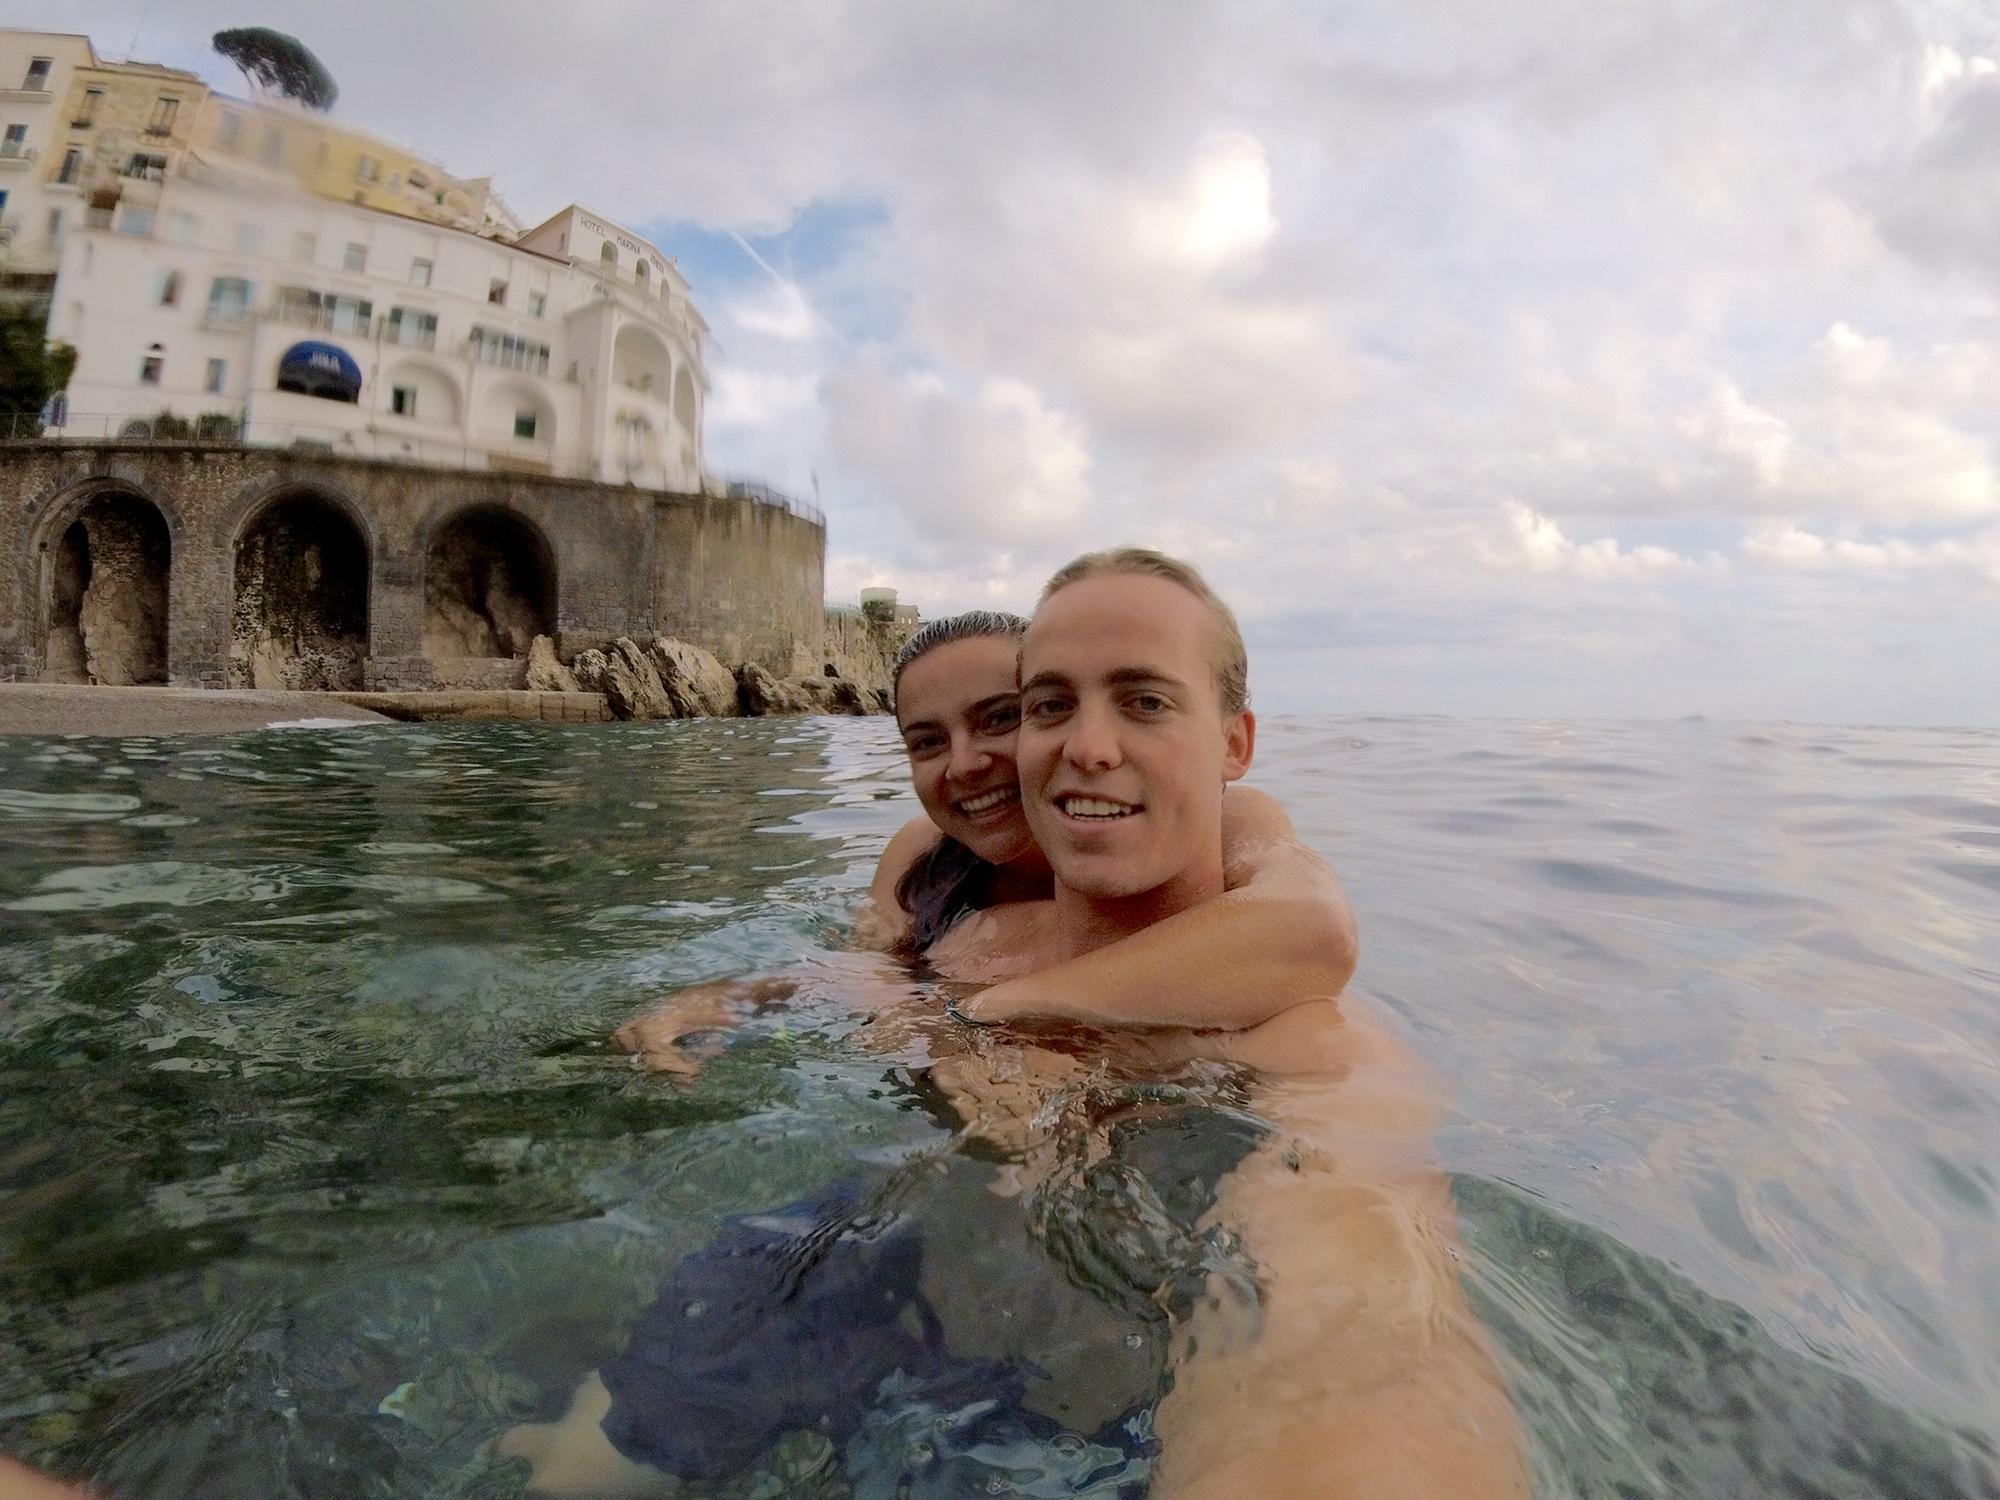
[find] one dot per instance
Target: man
(1369, 1375)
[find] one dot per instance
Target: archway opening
(108, 601)
(489, 586)
(299, 615)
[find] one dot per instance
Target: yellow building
(309, 152)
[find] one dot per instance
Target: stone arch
(607, 255)
(643, 274)
(640, 361)
(107, 588)
(490, 584)
(298, 611)
(438, 397)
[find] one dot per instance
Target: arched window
(645, 275)
(151, 366)
(607, 255)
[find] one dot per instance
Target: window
(170, 288)
(491, 347)
(249, 239)
(395, 181)
(356, 257)
(38, 74)
(420, 272)
(644, 273)
(274, 145)
(229, 301)
(15, 144)
(87, 116)
(182, 227)
(147, 166)
(349, 314)
(137, 222)
(496, 291)
(607, 255)
(230, 128)
(403, 400)
(164, 111)
(305, 244)
(420, 182)
(368, 169)
(72, 165)
(151, 366)
(411, 326)
(310, 309)
(537, 301)
(524, 425)
(218, 372)
(55, 226)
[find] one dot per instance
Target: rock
(627, 679)
(759, 694)
(696, 683)
(546, 674)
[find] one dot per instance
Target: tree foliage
(271, 60)
(31, 369)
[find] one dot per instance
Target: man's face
(1124, 747)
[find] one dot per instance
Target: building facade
(291, 320)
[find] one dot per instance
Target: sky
(1547, 359)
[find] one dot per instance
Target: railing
(388, 439)
(16, 151)
(763, 494)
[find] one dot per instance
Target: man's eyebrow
(984, 704)
(1129, 676)
(1045, 679)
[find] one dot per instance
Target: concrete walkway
(49, 708)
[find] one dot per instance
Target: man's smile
(1085, 808)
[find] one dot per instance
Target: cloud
(1667, 328)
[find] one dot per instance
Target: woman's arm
(1283, 933)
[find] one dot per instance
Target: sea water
(318, 1170)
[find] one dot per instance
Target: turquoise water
(317, 1172)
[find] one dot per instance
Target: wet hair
(973, 625)
(1232, 662)
(941, 886)
(949, 880)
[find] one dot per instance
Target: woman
(1280, 934)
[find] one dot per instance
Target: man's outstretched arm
(1282, 934)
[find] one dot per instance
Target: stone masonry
(280, 569)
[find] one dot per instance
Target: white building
(291, 318)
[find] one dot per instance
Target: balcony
(226, 317)
(26, 96)
(14, 156)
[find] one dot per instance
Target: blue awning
(313, 368)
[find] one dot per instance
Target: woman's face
(958, 708)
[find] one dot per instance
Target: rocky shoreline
(664, 679)
(670, 679)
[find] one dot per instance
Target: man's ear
(1239, 743)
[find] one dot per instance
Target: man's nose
(1092, 743)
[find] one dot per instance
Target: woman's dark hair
(945, 883)
(971, 625)
(949, 880)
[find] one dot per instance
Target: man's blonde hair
(1232, 662)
